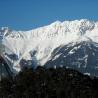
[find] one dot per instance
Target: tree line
(49, 83)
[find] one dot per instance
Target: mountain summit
(73, 42)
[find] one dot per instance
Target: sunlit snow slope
(35, 47)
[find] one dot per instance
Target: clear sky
(28, 14)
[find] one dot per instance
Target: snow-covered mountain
(82, 56)
(75, 42)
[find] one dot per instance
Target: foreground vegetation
(49, 83)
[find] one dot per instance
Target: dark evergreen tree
(49, 83)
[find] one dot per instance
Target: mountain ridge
(37, 45)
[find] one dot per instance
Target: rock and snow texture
(36, 47)
(82, 56)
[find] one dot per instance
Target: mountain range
(73, 44)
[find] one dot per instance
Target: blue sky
(29, 14)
